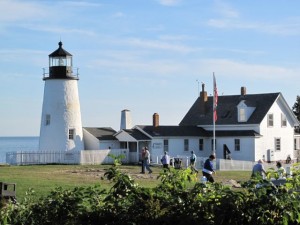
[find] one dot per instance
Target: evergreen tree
(296, 108)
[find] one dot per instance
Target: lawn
(44, 178)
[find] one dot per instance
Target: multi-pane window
(71, 134)
(201, 144)
(47, 119)
(277, 144)
(283, 120)
(186, 144)
(237, 145)
(166, 145)
(270, 120)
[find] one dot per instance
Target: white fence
(224, 164)
(91, 157)
(70, 157)
(219, 164)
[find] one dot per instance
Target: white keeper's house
(249, 127)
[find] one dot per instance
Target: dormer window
(244, 111)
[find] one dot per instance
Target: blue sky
(147, 56)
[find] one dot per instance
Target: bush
(170, 202)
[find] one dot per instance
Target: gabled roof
(173, 131)
(102, 133)
(136, 134)
(227, 109)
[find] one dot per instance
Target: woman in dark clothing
(208, 170)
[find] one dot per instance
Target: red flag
(215, 104)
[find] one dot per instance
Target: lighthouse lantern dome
(60, 64)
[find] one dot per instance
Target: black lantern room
(60, 64)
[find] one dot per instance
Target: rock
(234, 183)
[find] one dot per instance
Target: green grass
(44, 178)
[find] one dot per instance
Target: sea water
(14, 144)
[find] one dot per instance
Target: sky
(147, 56)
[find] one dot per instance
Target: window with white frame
(186, 144)
(71, 134)
(270, 120)
(277, 144)
(283, 120)
(201, 144)
(237, 144)
(166, 145)
(47, 119)
(242, 115)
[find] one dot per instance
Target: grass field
(44, 178)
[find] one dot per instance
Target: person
(143, 159)
(280, 170)
(165, 160)
(193, 159)
(258, 169)
(208, 170)
(147, 160)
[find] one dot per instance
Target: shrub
(178, 199)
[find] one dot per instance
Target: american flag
(215, 104)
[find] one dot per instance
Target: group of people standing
(258, 170)
(207, 170)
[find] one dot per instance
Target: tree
(296, 107)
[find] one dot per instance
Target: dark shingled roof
(227, 109)
(137, 135)
(174, 131)
(102, 133)
(235, 133)
(60, 51)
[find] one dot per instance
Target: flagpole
(214, 122)
(215, 103)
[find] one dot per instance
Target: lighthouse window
(71, 134)
(47, 121)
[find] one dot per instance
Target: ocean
(13, 144)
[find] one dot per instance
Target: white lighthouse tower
(61, 128)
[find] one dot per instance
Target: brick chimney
(243, 91)
(155, 120)
(203, 100)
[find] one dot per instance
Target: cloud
(234, 69)
(12, 11)
(80, 4)
(169, 2)
(159, 45)
(118, 15)
(58, 29)
(229, 18)
(283, 28)
(226, 10)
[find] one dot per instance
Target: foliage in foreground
(170, 202)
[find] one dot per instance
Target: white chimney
(126, 121)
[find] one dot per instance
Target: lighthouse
(61, 127)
